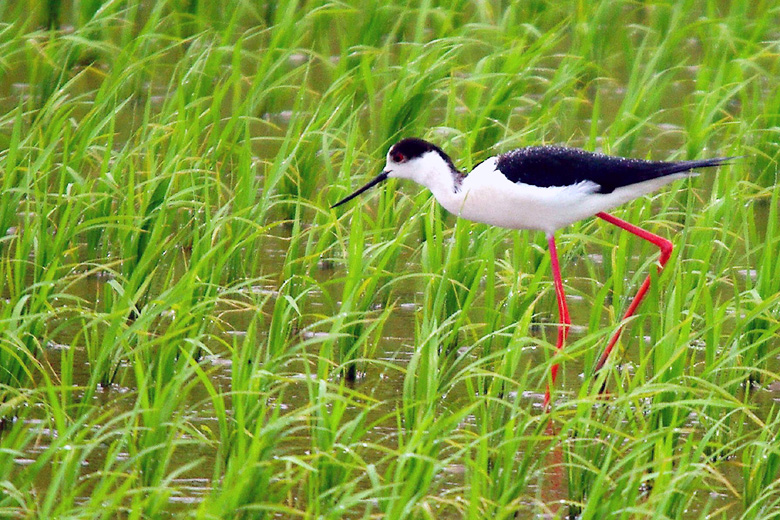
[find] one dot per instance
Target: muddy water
(397, 345)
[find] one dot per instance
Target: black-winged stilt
(540, 188)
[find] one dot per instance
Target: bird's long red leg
(666, 251)
(563, 312)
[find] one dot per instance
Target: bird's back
(549, 166)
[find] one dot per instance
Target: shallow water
(381, 378)
(384, 385)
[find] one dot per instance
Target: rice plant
(187, 329)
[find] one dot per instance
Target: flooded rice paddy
(188, 329)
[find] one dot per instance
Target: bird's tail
(684, 166)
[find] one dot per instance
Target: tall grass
(187, 328)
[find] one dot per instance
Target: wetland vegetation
(188, 330)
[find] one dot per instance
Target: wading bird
(543, 188)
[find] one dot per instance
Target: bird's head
(413, 159)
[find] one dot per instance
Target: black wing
(547, 166)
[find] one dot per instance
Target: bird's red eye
(397, 157)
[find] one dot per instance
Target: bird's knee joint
(666, 248)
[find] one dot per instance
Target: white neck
(433, 172)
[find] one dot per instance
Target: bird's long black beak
(376, 180)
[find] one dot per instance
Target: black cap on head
(412, 147)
